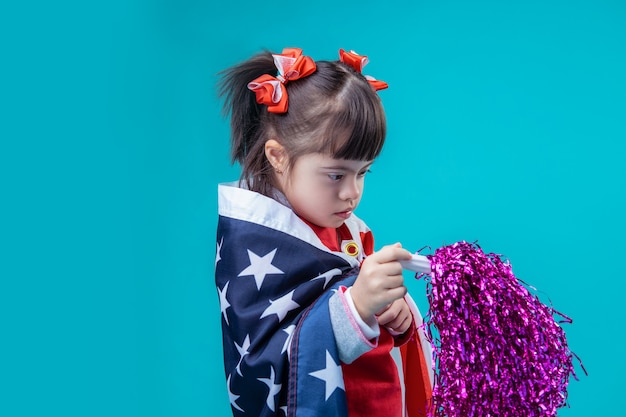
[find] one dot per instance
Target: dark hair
(333, 111)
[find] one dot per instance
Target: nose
(351, 189)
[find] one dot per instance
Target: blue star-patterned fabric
(274, 286)
(316, 381)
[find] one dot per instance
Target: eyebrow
(345, 168)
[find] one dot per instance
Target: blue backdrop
(506, 126)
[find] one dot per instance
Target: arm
(377, 287)
(353, 336)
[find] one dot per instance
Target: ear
(276, 154)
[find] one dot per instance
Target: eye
(362, 173)
(335, 177)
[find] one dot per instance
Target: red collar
(331, 237)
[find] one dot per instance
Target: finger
(389, 296)
(403, 326)
(387, 317)
(399, 323)
(397, 327)
(392, 282)
(389, 312)
(390, 269)
(385, 308)
(396, 292)
(392, 253)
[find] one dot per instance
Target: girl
(312, 317)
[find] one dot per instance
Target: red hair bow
(357, 62)
(270, 90)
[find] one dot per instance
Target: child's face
(323, 190)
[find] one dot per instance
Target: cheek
(325, 193)
(304, 195)
(317, 199)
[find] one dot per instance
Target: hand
(397, 316)
(380, 281)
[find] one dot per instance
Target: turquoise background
(506, 126)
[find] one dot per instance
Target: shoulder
(238, 202)
(251, 210)
(231, 195)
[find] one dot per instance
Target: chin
(337, 224)
(329, 223)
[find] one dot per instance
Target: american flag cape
(274, 279)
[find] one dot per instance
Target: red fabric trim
(329, 235)
(371, 382)
(367, 240)
(332, 238)
(416, 380)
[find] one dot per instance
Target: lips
(344, 214)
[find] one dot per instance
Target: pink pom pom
(499, 350)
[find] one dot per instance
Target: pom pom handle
(419, 263)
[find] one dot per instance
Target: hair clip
(270, 90)
(357, 62)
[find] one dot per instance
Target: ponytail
(246, 116)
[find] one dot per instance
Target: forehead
(324, 161)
